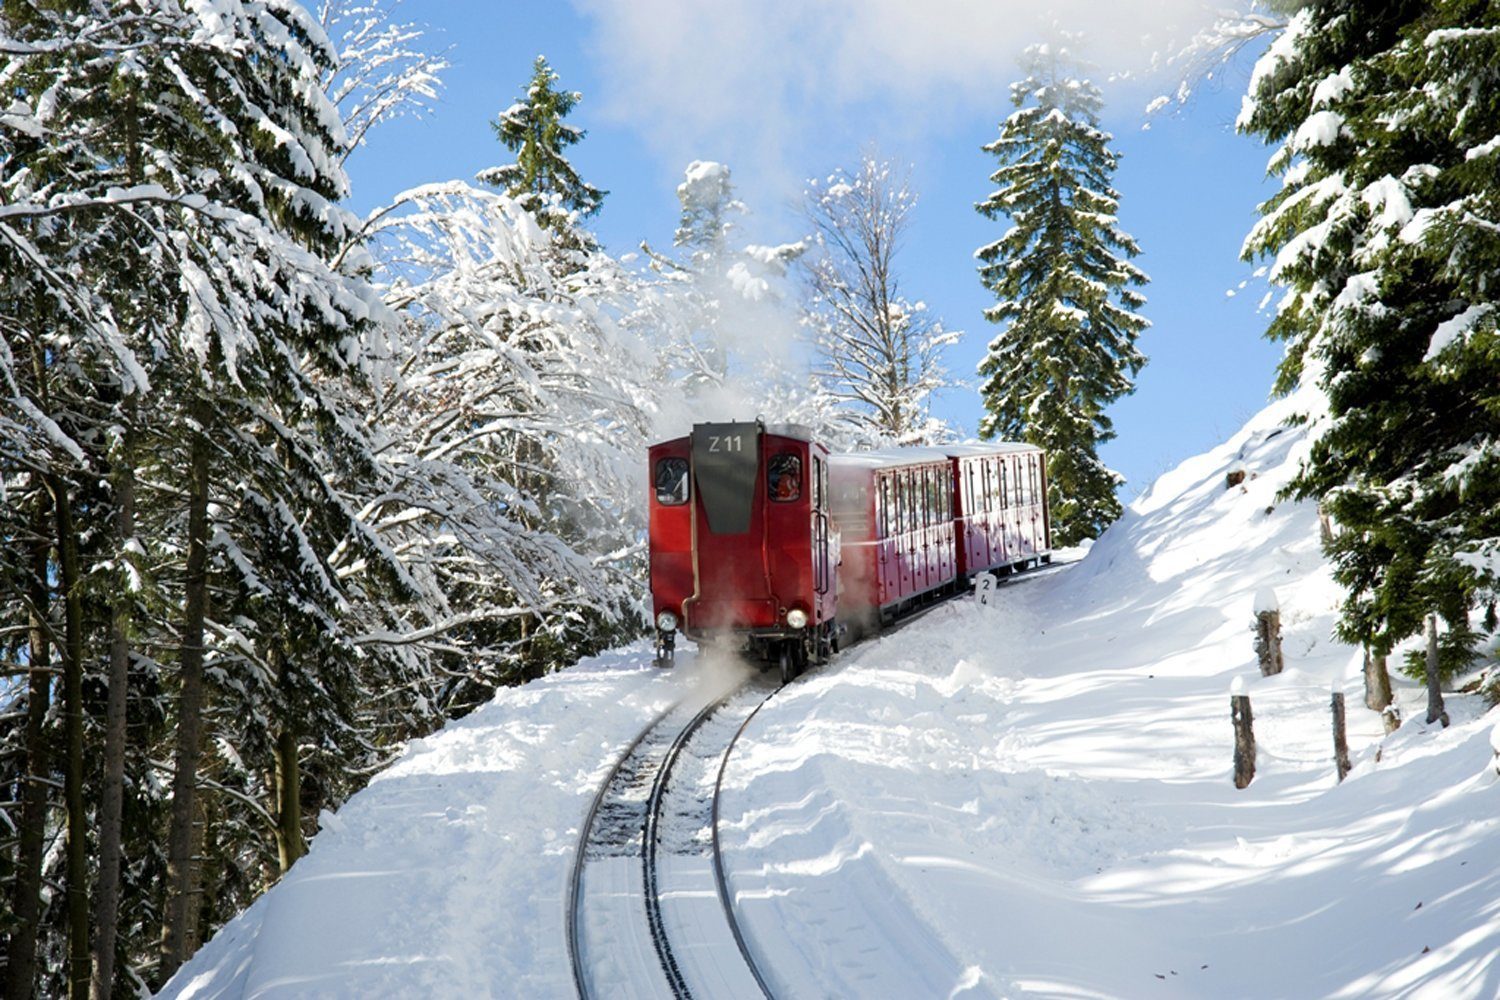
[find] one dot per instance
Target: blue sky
(782, 90)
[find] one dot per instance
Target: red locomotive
(760, 537)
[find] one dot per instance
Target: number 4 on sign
(984, 587)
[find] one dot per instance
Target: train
(763, 539)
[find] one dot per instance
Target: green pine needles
(1386, 237)
(1064, 289)
(542, 179)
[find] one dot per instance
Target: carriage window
(672, 481)
(784, 477)
(817, 484)
(1004, 486)
(987, 502)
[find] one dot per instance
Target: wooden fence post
(1268, 632)
(1340, 736)
(1391, 718)
(1435, 710)
(1244, 735)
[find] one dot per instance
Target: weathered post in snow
(1435, 710)
(1377, 682)
(1268, 632)
(1391, 718)
(1340, 736)
(1244, 734)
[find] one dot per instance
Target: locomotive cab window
(672, 482)
(784, 477)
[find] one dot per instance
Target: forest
(283, 487)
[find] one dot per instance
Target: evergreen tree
(1066, 298)
(182, 338)
(724, 299)
(542, 179)
(1384, 236)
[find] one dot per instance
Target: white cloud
(752, 82)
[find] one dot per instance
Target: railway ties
(649, 915)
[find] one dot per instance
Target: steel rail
(720, 880)
(650, 841)
(575, 882)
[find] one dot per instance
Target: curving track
(649, 913)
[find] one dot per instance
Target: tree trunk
(1435, 710)
(179, 894)
(77, 865)
(20, 960)
(1377, 682)
(1244, 739)
(287, 777)
(290, 844)
(1340, 737)
(111, 807)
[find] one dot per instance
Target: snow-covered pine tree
(1384, 237)
(163, 240)
(721, 305)
(1064, 288)
(542, 179)
(879, 354)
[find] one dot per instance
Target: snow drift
(1031, 798)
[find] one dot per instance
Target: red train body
(759, 536)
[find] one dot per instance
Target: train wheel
(785, 661)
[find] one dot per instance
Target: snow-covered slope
(1031, 798)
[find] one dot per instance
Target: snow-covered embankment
(1026, 799)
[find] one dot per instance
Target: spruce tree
(542, 179)
(1384, 236)
(1064, 288)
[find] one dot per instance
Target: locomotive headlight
(666, 621)
(796, 618)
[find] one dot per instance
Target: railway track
(649, 912)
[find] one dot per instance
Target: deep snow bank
(1034, 798)
(447, 876)
(1027, 799)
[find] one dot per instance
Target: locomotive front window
(784, 477)
(672, 482)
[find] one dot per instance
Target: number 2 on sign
(984, 586)
(729, 442)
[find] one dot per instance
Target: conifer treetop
(541, 178)
(1064, 287)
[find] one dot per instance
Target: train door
(1005, 507)
(886, 527)
(947, 532)
(824, 558)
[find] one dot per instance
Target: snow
(1322, 128)
(1027, 798)
(1333, 87)
(703, 183)
(1456, 329)
(1265, 600)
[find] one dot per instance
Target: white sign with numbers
(984, 587)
